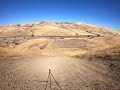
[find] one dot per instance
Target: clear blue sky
(99, 12)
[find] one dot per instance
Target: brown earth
(70, 73)
(81, 56)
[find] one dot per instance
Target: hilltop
(47, 28)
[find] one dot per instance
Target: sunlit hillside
(87, 41)
(46, 28)
(81, 56)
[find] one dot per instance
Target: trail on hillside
(70, 73)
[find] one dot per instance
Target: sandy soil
(71, 74)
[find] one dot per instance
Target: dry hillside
(46, 28)
(81, 56)
(95, 40)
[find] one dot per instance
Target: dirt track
(71, 74)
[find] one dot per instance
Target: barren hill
(81, 56)
(47, 28)
(61, 38)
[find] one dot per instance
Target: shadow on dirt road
(71, 74)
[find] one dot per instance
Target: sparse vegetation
(8, 52)
(24, 61)
(110, 53)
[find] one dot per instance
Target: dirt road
(71, 74)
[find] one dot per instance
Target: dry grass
(110, 53)
(55, 29)
(107, 44)
(12, 53)
(102, 47)
(34, 45)
(7, 53)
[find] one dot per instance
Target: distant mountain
(50, 28)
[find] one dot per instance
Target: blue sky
(99, 12)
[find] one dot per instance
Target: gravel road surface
(70, 73)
